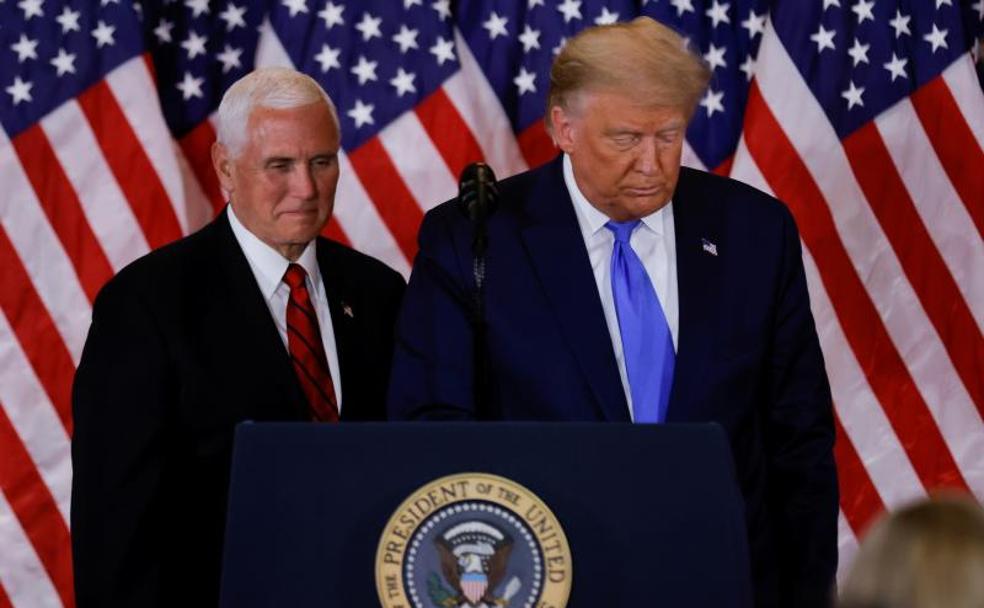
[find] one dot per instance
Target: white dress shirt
(654, 241)
(268, 267)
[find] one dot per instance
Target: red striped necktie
(307, 351)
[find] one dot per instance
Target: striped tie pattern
(307, 352)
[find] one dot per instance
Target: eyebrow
(290, 159)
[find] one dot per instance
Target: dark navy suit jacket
(748, 356)
(182, 348)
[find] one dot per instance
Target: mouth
(643, 191)
(299, 212)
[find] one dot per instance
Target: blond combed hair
(927, 555)
(642, 59)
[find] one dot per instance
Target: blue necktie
(646, 341)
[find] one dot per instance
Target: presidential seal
(473, 540)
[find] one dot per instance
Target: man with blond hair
(254, 317)
(620, 286)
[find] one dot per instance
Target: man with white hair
(620, 286)
(254, 317)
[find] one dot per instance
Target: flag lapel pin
(347, 311)
(709, 247)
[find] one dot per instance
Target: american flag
(864, 116)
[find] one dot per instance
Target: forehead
(306, 125)
(614, 110)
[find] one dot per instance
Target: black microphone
(478, 192)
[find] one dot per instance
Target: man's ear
(563, 128)
(222, 163)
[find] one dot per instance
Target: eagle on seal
(474, 555)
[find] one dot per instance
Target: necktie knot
(295, 275)
(622, 230)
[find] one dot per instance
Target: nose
(647, 158)
(302, 183)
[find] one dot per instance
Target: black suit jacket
(748, 355)
(181, 348)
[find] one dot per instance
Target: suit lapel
(557, 252)
(246, 321)
(699, 273)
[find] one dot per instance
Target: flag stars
(570, 9)
(64, 62)
(718, 13)
(937, 38)
(104, 34)
(864, 10)
(331, 14)
(443, 50)
(295, 7)
(230, 58)
(25, 48)
(328, 58)
(712, 102)
(190, 86)
(525, 81)
(369, 26)
(941, 3)
(408, 4)
(853, 95)
(233, 16)
(755, 24)
(563, 42)
(361, 113)
(20, 91)
(901, 24)
(979, 7)
(403, 82)
(824, 39)
(532, 4)
(715, 57)
(443, 8)
(896, 67)
(829, 3)
(69, 20)
(859, 52)
(163, 31)
(194, 44)
(31, 8)
(530, 38)
(682, 6)
(406, 38)
(496, 25)
(606, 17)
(365, 70)
(197, 7)
(748, 67)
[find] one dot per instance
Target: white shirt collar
(594, 220)
(266, 262)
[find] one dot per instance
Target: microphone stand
(479, 326)
(477, 196)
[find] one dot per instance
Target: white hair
(279, 88)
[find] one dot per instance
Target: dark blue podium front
(652, 514)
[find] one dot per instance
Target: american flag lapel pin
(347, 311)
(709, 247)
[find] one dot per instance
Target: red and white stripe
(893, 254)
(891, 220)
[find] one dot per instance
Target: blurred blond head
(928, 555)
(641, 58)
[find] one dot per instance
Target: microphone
(478, 192)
